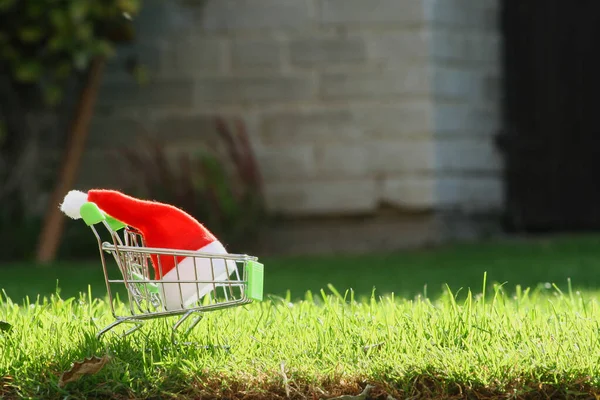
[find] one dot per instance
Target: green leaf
(62, 70)
(98, 10)
(81, 59)
(78, 10)
(128, 6)
(103, 48)
(59, 19)
(5, 326)
(59, 42)
(35, 9)
(8, 52)
(84, 31)
(53, 94)
(30, 34)
(28, 71)
(141, 75)
(7, 4)
(50, 39)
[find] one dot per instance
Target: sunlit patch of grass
(522, 342)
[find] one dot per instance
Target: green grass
(406, 273)
(526, 341)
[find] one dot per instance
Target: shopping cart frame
(132, 257)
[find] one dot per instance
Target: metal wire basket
(199, 282)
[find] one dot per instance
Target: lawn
(406, 273)
(536, 336)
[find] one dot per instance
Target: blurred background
(301, 127)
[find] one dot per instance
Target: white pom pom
(72, 203)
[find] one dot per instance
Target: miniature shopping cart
(199, 282)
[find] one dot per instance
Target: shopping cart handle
(92, 215)
(255, 280)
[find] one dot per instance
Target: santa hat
(162, 226)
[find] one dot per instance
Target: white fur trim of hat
(73, 202)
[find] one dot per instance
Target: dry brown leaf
(89, 366)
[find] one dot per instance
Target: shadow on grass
(528, 263)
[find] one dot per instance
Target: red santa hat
(161, 225)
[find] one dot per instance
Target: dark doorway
(551, 134)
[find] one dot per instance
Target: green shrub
(44, 42)
(220, 185)
(46, 47)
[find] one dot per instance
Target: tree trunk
(52, 229)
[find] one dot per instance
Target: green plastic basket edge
(255, 280)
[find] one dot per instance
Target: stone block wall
(349, 103)
(465, 50)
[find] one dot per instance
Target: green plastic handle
(92, 215)
(114, 224)
(255, 280)
(151, 287)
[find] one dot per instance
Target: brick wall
(350, 103)
(466, 61)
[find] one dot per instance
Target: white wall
(350, 103)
